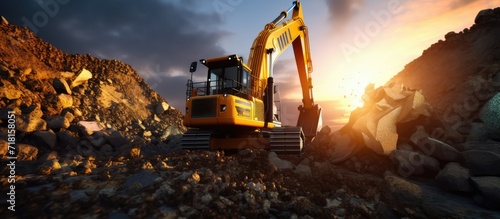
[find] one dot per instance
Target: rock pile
(448, 130)
(78, 105)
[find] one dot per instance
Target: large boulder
(46, 139)
(482, 132)
(490, 113)
(489, 186)
(413, 163)
(27, 123)
(57, 122)
(482, 163)
(82, 77)
(454, 177)
(162, 107)
(439, 150)
(61, 86)
(26, 152)
(405, 192)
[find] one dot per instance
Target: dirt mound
(464, 63)
(50, 92)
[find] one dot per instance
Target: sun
(353, 89)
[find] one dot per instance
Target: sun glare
(353, 88)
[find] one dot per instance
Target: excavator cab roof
(223, 61)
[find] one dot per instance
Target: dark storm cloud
(341, 11)
(156, 37)
(143, 34)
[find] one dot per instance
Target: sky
(353, 42)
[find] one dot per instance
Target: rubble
(109, 146)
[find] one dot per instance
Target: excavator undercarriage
(282, 140)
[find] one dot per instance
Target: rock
(4, 21)
(162, 107)
(489, 186)
(140, 180)
(61, 86)
(483, 16)
(106, 150)
(68, 116)
(116, 139)
(378, 128)
(90, 127)
(79, 195)
(279, 163)
(490, 113)
(135, 153)
(194, 178)
(171, 131)
(147, 134)
(33, 111)
(49, 167)
(57, 122)
(326, 130)
(454, 177)
(82, 77)
(66, 138)
(26, 152)
(482, 163)
(10, 93)
(26, 123)
(303, 170)
(406, 193)
(413, 107)
(47, 139)
(97, 139)
(410, 163)
(64, 101)
(492, 146)
(257, 187)
(483, 132)
(84, 148)
(395, 91)
(419, 135)
(439, 150)
(206, 199)
(53, 155)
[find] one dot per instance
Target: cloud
(341, 11)
(460, 3)
(160, 35)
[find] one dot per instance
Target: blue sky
(353, 42)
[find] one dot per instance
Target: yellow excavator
(234, 108)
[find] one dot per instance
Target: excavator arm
(276, 37)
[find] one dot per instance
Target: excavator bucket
(310, 120)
